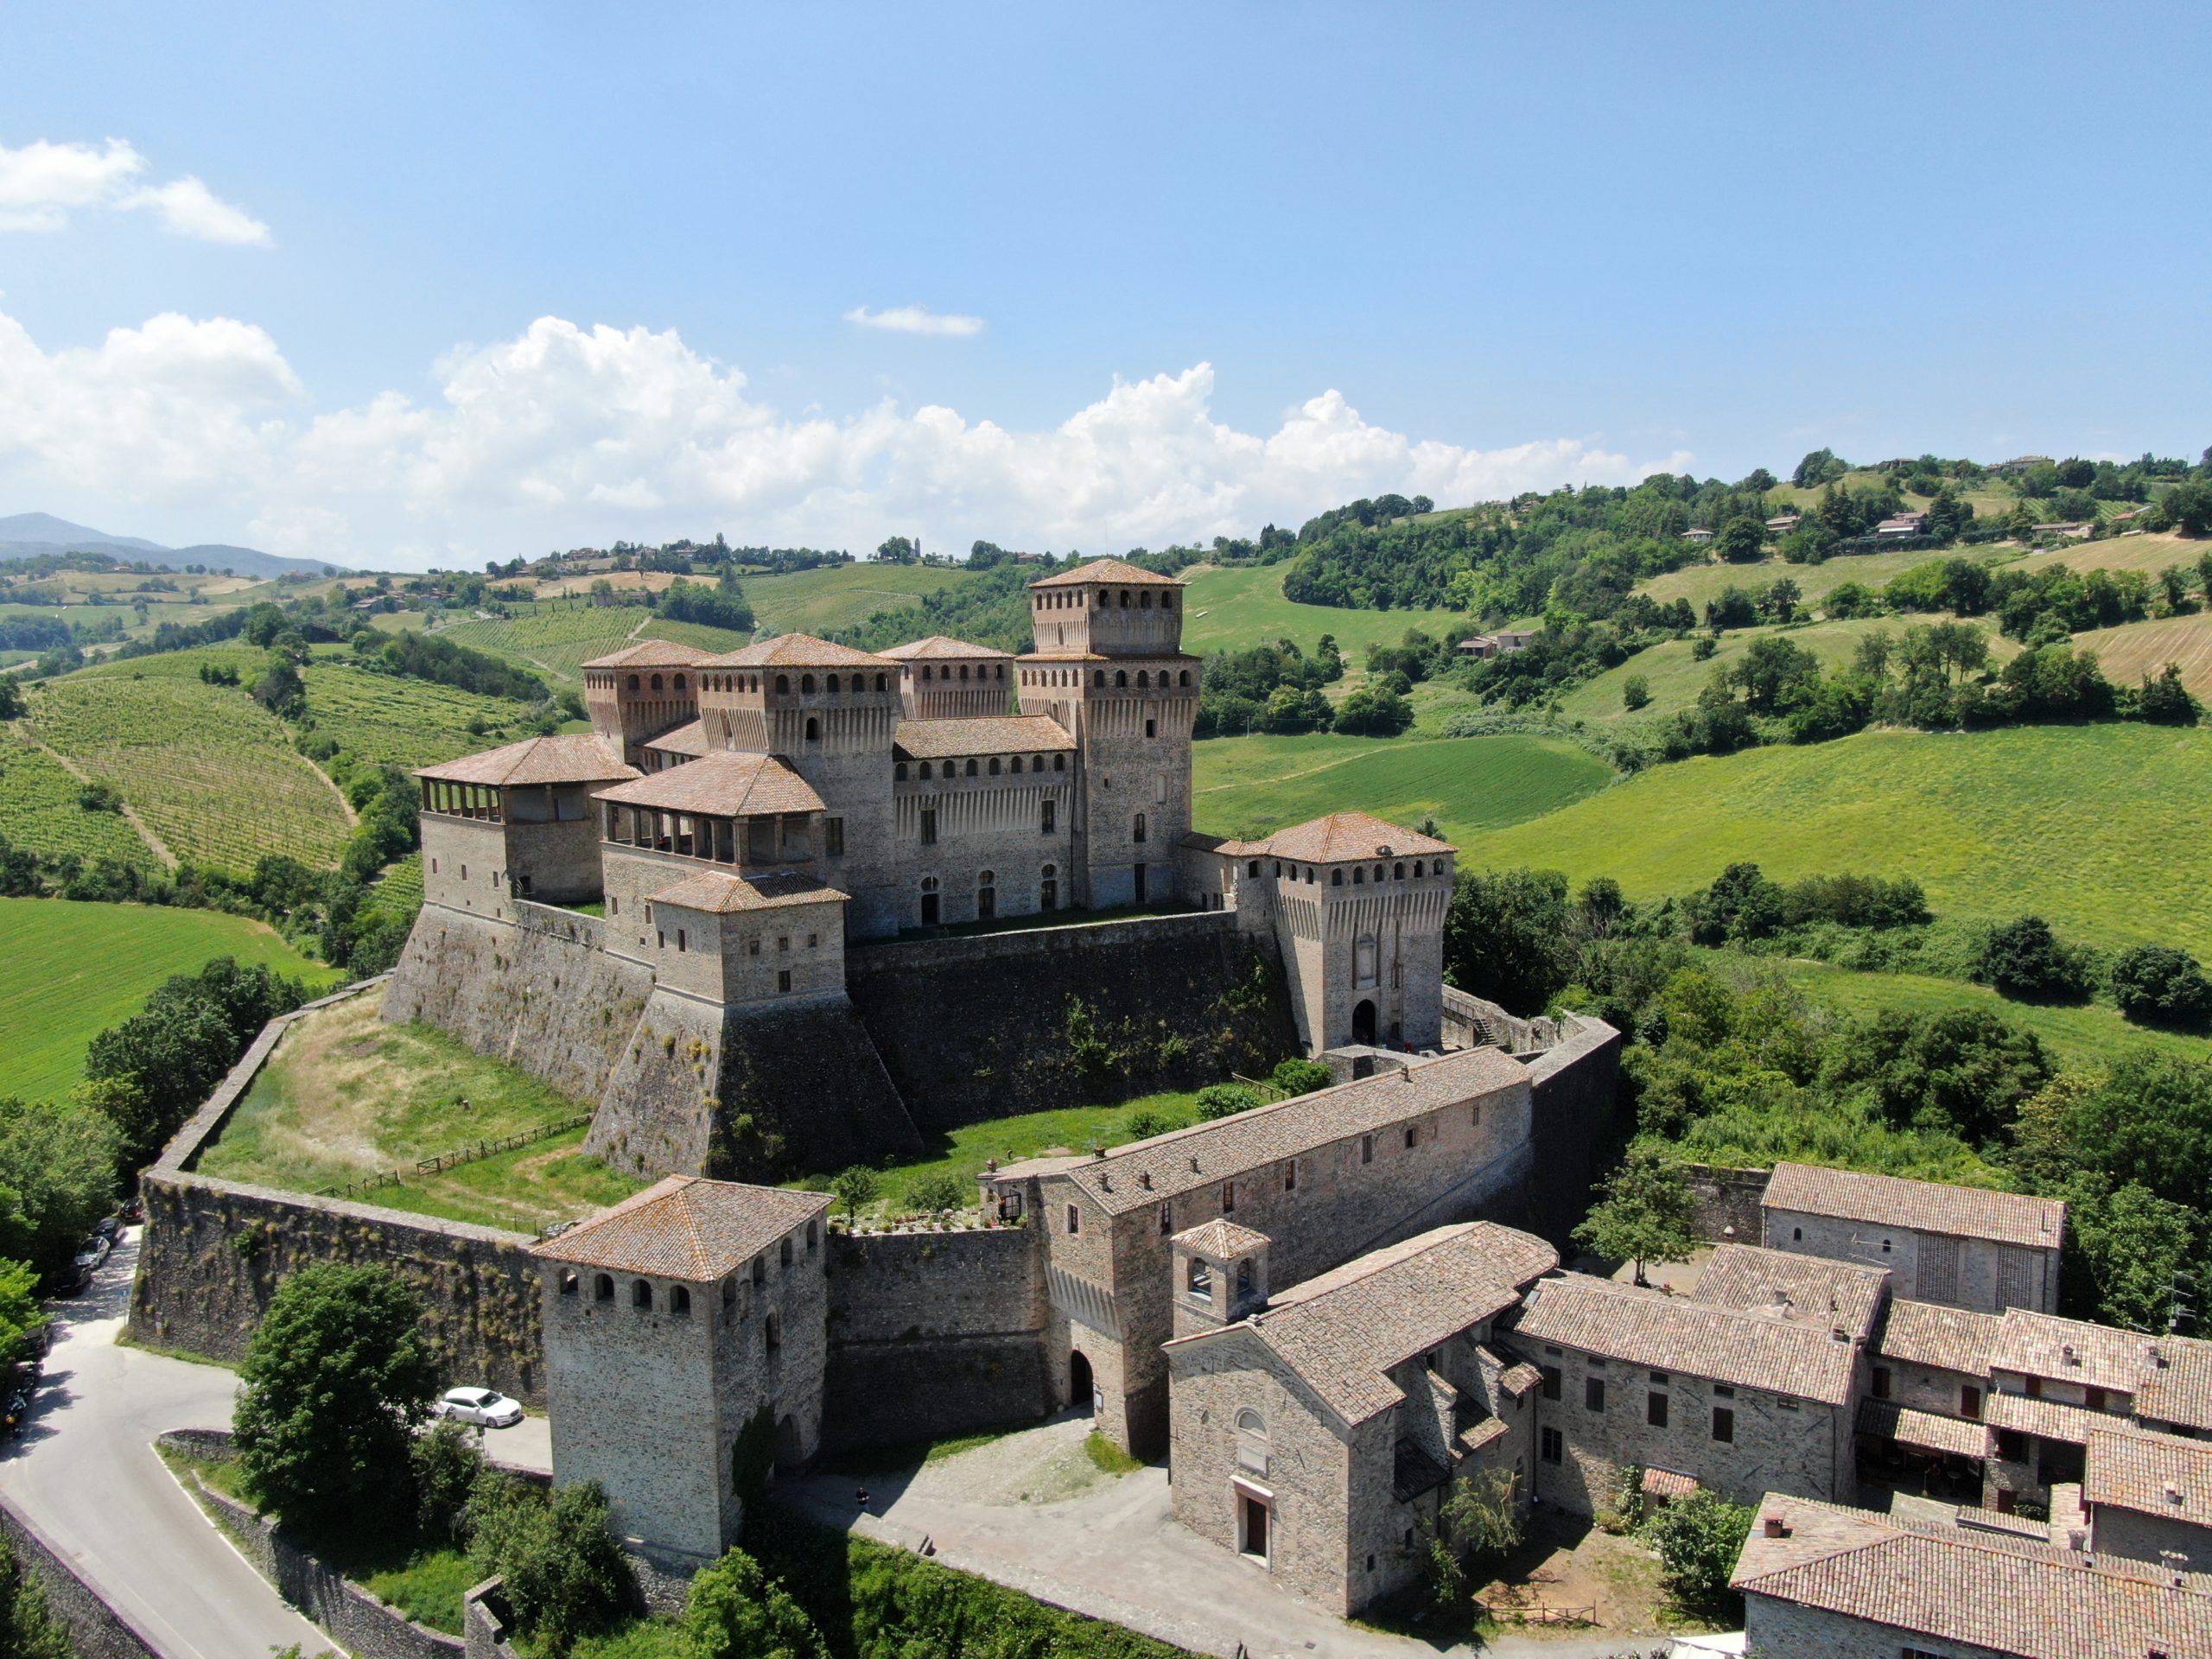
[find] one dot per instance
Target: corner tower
(1109, 667)
(641, 691)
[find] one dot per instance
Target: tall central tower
(1109, 667)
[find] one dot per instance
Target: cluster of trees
(1276, 688)
(426, 657)
(720, 606)
(28, 1628)
(57, 1179)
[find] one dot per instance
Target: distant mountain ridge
(35, 535)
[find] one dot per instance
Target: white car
(485, 1406)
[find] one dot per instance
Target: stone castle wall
(1728, 1198)
(97, 1629)
(970, 1027)
(933, 1333)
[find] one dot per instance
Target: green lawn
(347, 1095)
(2091, 1034)
(842, 596)
(67, 971)
(1249, 786)
(1701, 581)
(1237, 609)
(2091, 827)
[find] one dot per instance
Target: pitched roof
(720, 892)
(690, 738)
(1924, 1206)
(1116, 570)
(2072, 1350)
(2153, 1474)
(570, 758)
(685, 1227)
(2048, 1420)
(2178, 1389)
(1928, 1334)
(1930, 1431)
(1672, 1334)
(2034, 1602)
(723, 785)
(931, 739)
(1185, 1160)
(1808, 1289)
(799, 650)
(1343, 1331)
(1221, 1237)
(938, 645)
(653, 653)
(1342, 837)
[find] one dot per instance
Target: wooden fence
(438, 1163)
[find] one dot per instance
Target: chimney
(1776, 1528)
(1144, 1179)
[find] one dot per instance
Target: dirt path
(353, 819)
(154, 842)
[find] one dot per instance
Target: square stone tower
(1109, 667)
(671, 1321)
(516, 822)
(1221, 1276)
(640, 692)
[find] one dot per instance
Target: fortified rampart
(968, 1026)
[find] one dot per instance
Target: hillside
(35, 535)
(1232, 609)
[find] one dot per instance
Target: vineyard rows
(39, 809)
(382, 718)
(554, 644)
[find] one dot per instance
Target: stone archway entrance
(1362, 1021)
(1082, 1390)
(788, 1451)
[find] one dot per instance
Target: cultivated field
(554, 644)
(842, 596)
(2129, 652)
(69, 970)
(346, 1096)
(383, 717)
(1700, 582)
(2086, 826)
(695, 634)
(211, 772)
(2148, 551)
(39, 809)
(1249, 786)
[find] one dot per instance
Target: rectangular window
(1659, 1378)
(1075, 1221)
(1554, 1446)
(813, 941)
(752, 947)
(1594, 1393)
(2093, 1399)
(1413, 1134)
(929, 826)
(2035, 1387)
(1475, 1115)
(1723, 1424)
(1551, 1381)
(1970, 1402)
(682, 939)
(1366, 1148)
(1654, 1409)
(783, 942)
(1881, 1382)
(783, 979)
(1228, 1198)
(1783, 1403)
(1290, 1176)
(1152, 729)
(1723, 1391)
(1166, 1225)
(833, 837)
(1046, 819)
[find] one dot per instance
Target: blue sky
(461, 282)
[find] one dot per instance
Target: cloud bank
(42, 184)
(566, 435)
(916, 320)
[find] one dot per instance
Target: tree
(2187, 507)
(1781, 599)
(57, 1179)
(1818, 468)
(737, 1612)
(337, 1378)
(1298, 1076)
(1645, 1215)
(1741, 540)
(898, 549)
(2126, 1253)
(20, 1313)
(2023, 960)
(2155, 986)
(2165, 700)
(941, 1191)
(11, 698)
(1636, 692)
(566, 1576)
(1476, 1520)
(444, 1465)
(28, 1630)
(1505, 937)
(855, 1188)
(1771, 672)
(2147, 1119)
(1373, 712)
(1697, 1539)
(1962, 1071)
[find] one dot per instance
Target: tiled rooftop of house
(723, 785)
(2048, 1420)
(1221, 1237)
(1804, 1289)
(690, 738)
(1342, 1333)
(1346, 837)
(1116, 570)
(799, 650)
(1673, 1333)
(684, 1227)
(1145, 1172)
(937, 646)
(1928, 1334)
(721, 893)
(2072, 1350)
(1922, 1206)
(653, 653)
(568, 758)
(2151, 1474)
(2178, 1387)
(1927, 1430)
(933, 740)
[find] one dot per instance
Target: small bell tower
(1221, 1276)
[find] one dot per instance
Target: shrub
(1636, 692)
(446, 1466)
(1697, 1539)
(1144, 1123)
(2155, 986)
(942, 1191)
(28, 1630)
(855, 1188)
(737, 1612)
(1222, 1100)
(1702, 647)
(1296, 1077)
(565, 1575)
(2023, 960)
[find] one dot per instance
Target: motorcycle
(18, 1413)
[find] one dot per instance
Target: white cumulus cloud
(41, 183)
(916, 320)
(564, 435)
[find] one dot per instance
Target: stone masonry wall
(934, 1333)
(96, 1630)
(970, 1027)
(1726, 1199)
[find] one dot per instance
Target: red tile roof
(686, 1227)
(570, 758)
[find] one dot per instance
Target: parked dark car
(109, 1228)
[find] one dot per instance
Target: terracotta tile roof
(1345, 837)
(1290, 1128)
(2178, 1389)
(798, 651)
(1806, 1289)
(723, 785)
(2153, 1474)
(1221, 1237)
(1667, 1484)
(721, 893)
(1928, 1334)
(653, 653)
(688, 739)
(1970, 1589)
(1115, 570)
(2048, 1419)
(1928, 1431)
(938, 645)
(1517, 1380)
(1672, 1333)
(1063, 657)
(1924, 1206)
(685, 1227)
(1343, 1331)
(931, 739)
(2072, 1350)
(570, 758)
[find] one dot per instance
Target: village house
(1900, 526)
(1783, 523)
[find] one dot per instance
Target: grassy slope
(1248, 787)
(2147, 551)
(39, 809)
(1700, 582)
(842, 596)
(2082, 824)
(553, 643)
(2127, 653)
(69, 970)
(1235, 609)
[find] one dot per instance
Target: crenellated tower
(641, 691)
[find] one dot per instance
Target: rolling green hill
(844, 596)
(1248, 787)
(39, 808)
(2091, 827)
(56, 994)
(1700, 582)
(1235, 609)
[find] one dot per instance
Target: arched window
(1398, 872)
(729, 1291)
(1187, 677)
(994, 765)
(1048, 887)
(1143, 678)
(783, 682)
(926, 672)
(898, 772)
(634, 682)
(929, 884)
(603, 1288)
(1250, 1422)
(813, 730)
(759, 1269)
(679, 682)
(1098, 676)
(1358, 876)
(567, 1282)
(1059, 763)
(679, 1301)
(1125, 599)
(1336, 877)
(1001, 673)
(656, 681)
(1168, 602)
(1244, 1277)
(1416, 867)
(1036, 763)
(1014, 765)
(925, 768)
(1144, 599)
(806, 684)
(783, 1253)
(964, 670)
(1120, 676)
(1253, 868)
(832, 686)
(1138, 832)
(971, 768)
(879, 682)
(1198, 1278)
(773, 1325)
(1378, 872)
(641, 1293)
(1104, 599)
